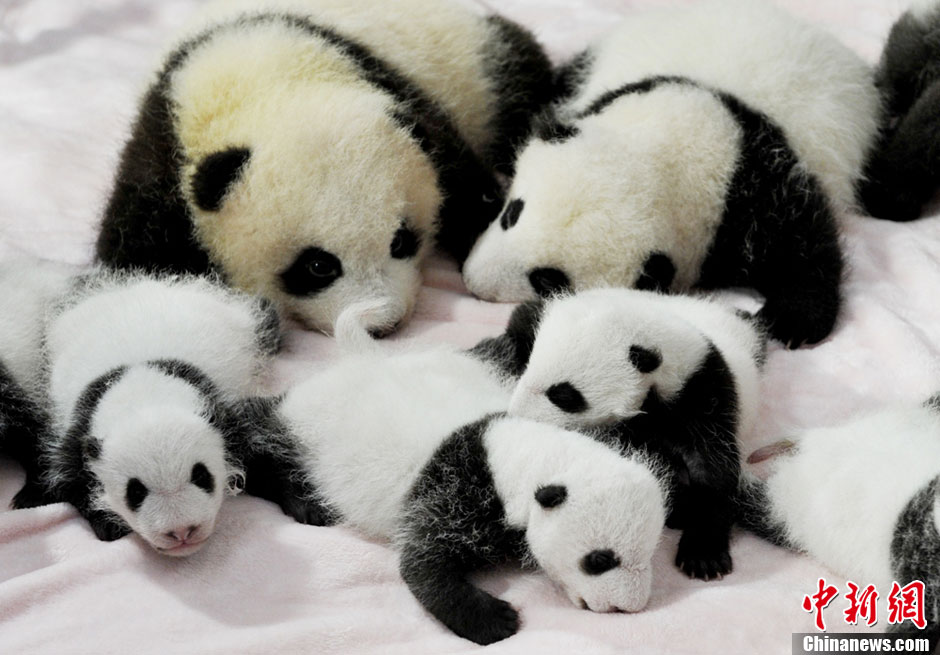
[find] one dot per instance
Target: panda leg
(273, 479)
(904, 172)
(440, 586)
(704, 548)
(33, 493)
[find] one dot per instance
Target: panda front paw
(31, 495)
(488, 621)
(797, 322)
(107, 528)
(308, 512)
(702, 558)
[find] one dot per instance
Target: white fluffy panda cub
(676, 374)
(28, 286)
(430, 463)
(863, 498)
(312, 151)
(138, 370)
(707, 145)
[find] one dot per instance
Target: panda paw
(699, 559)
(489, 621)
(797, 323)
(107, 529)
(308, 512)
(31, 495)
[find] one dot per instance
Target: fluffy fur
(457, 489)
(683, 157)
(139, 369)
(675, 374)
(313, 150)
(874, 517)
(904, 172)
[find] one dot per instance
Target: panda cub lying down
(457, 486)
(138, 369)
(677, 375)
(708, 145)
(872, 519)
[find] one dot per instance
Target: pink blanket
(70, 73)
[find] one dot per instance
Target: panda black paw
(799, 322)
(488, 621)
(699, 559)
(31, 495)
(308, 512)
(107, 528)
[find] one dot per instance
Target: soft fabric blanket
(70, 74)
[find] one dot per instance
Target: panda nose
(182, 534)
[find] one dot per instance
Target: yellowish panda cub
(312, 151)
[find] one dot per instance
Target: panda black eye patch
(202, 478)
(599, 561)
(510, 215)
(405, 243)
(313, 270)
(566, 397)
(549, 281)
(552, 495)
(136, 494)
(645, 360)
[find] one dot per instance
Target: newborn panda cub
(863, 498)
(675, 374)
(684, 158)
(457, 486)
(138, 370)
(27, 288)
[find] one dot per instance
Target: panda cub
(138, 371)
(677, 375)
(28, 287)
(709, 145)
(312, 151)
(863, 499)
(904, 172)
(457, 486)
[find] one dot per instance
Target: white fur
(613, 502)
(841, 492)
(585, 339)
(650, 173)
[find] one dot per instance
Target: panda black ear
(91, 448)
(551, 496)
(645, 360)
(215, 175)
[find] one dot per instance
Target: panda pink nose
(182, 534)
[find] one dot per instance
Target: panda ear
(645, 360)
(551, 496)
(91, 448)
(215, 176)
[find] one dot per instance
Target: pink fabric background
(70, 73)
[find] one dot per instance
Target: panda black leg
(33, 493)
(469, 612)
(273, 479)
(704, 548)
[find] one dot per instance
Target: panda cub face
(162, 470)
(596, 536)
(315, 217)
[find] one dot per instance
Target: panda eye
(599, 561)
(567, 398)
(549, 281)
(405, 243)
(136, 494)
(313, 270)
(202, 478)
(510, 215)
(646, 360)
(551, 496)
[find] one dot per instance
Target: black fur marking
(147, 221)
(644, 359)
(697, 427)
(216, 175)
(195, 378)
(551, 495)
(657, 274)
(566, 397)
(202, 478)
(752, 507)
(915, 555)
(598, 562)
(313, 271)
(510, 215)
(455, 496)
(92, 448)
(511, 350)
(405, 243)
(269, 454)
(136, 494)
(268, 330)
(548, 127)
(933, 402)
(24, 425)
(643, 86)
(522, 79)
(549, 281)
(571, 75)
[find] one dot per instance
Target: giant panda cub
(429, 462)
(863, 499)
(312, 151)
(138, 371)
(675, 374)
(27, 289)
(709, 145)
